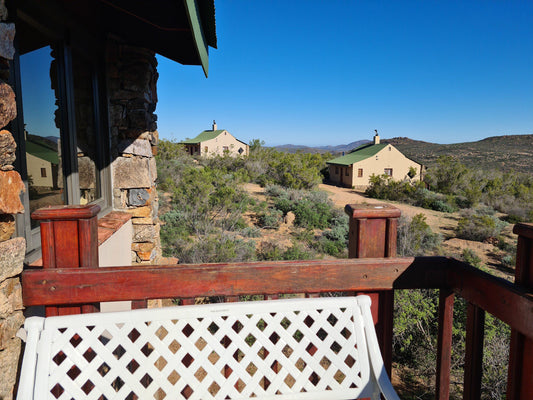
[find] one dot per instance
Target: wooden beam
(444, 344)
(475, 333)
(508, 302)
(520, 373)
(79, 285)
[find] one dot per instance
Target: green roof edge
(358, 154)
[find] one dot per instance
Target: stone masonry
(12, 250)
(132, 80)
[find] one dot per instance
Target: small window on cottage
(360, 172)
(225, 148)
(388, 171)
(43, 172)
(206, 149)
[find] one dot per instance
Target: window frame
(385, 170)
(66, 42)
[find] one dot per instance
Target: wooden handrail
(64, 286)
(78, 286)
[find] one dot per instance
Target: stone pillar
(132, 73)
(12, 250)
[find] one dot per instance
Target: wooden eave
(179, 30)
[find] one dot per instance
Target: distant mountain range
(509, 152)
(293, 148)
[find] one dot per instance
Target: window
(225, 148)
(360, 172)
(388, 171)
(62, 151)
(206, 149)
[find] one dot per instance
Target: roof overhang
(181, 30)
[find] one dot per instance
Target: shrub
(508, 260)
(312, 215)
(211, 249)
(271, 252)
(415, 237)
(312, 209)
(479, 227)
(270, 219)
(471, 258)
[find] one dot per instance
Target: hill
(506, 153)
(292, 148)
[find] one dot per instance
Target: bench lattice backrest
(297, 349)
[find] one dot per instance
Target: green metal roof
(42, 152)
(361, 153)
(202, 137)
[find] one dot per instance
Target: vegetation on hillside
(504, 153)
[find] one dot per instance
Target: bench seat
(320, 348)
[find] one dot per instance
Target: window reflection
(42, 128)
(85, 129)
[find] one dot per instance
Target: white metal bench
(323, 348)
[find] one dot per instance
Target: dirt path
(444, 223)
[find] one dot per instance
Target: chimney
(214, 125)
(376, 137)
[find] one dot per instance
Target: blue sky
(330, 72)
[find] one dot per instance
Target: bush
(270, 219)
(334, 241)
(267, 166)
(471, 258)
(415, 237)
(479, 227)
(312, 215)
(312, 209)
(272, 252)
(211, 249)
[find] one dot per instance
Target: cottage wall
(132, 92)
(341, 174)
(12, 250)
(216, 146)
(390, 158)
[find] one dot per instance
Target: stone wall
(12, 251)
(132, 80)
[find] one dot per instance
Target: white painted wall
(116, 252)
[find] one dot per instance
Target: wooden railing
(372, 234)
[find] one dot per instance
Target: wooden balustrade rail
(506, 301)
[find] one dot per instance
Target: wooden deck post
(520, 375)
(69, 239)
(373, 230)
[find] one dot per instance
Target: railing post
(520, 375)
(373, 230)
(475, 334)
(444, 344)
(69, 239)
